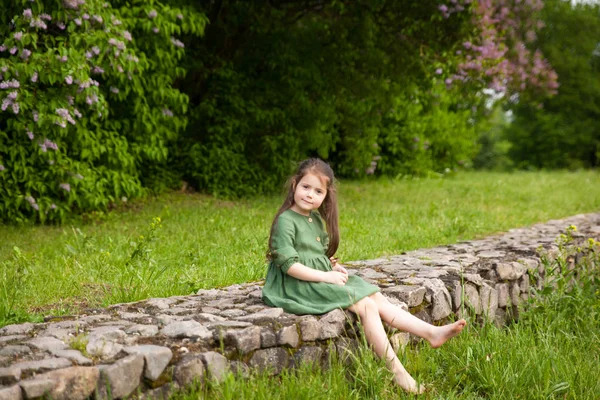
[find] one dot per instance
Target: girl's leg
(368, 312)
(403, 320)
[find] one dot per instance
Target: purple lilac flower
(72, 4)
(97, 70)
(443, 8)
(3, 48)
(15, 108)
(30, 199)
(65, 186)
(4, 69)
(88, 54)
(12, 95)
(96, 50)
(85, 16)
(38, 23)
(5, 103)
(30, 135)
(71, 100)
(114, 89)
(12, 84)
(155, 29)
(115, 21)
(50, 144)
(25, 54)
(77, 113)
(53, 206)
(177, 43)
(64, 114)
(152, 14)
(61, 26)
(35, 118)
(179, 16)
(166, 112)
(18, 35)
(79, 176)
(2, 167)
(64, 59)
(127, 36)
(77, 21)
(98, 19)
(46, 17)
(27, 13)
(120, 69)
(69, 79)
(43, 147)
(438, 71)
(13, 50)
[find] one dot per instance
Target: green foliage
(329, 82)
(563, 132)
(89, 102)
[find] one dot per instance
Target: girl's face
(309, 194)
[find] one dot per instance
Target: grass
(178, 243)
(552, 352)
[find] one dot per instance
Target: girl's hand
(339, 268)
(336, 278)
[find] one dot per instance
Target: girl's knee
(365, 305)
(378, 298)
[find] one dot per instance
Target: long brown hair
(329, 207)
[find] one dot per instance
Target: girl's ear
(293, 184)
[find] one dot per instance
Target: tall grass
(204, 242)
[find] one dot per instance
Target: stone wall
(153, 346)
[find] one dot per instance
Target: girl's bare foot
(441, 334)
(406, 382)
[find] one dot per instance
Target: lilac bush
(502, 53)
(82, 95)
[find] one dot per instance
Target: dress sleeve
(282, 244)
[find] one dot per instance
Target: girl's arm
(304, 273)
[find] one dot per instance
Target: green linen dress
(303, 239)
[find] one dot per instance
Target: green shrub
(87, 101)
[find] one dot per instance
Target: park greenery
(176, 244)
(107, 101)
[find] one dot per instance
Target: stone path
(153, 346)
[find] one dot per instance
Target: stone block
(310, 328)
(73, 383)
(189, 369)
(503, 295)
(267, 338)
(489, 301)
(411, 295)
(510, 271)
(307, 355)
(271, 361)
(11, 393)
(189, 329)
(157, 358)
(245, 340)
(288, 336)
(332, 324)
(216, 365)
(399, 340)
(120, 379)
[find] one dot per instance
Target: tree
(563, 131)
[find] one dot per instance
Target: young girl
(304, 278)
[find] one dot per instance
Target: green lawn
(553, 352)
(203, 242)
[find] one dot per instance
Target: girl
(304, 278)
